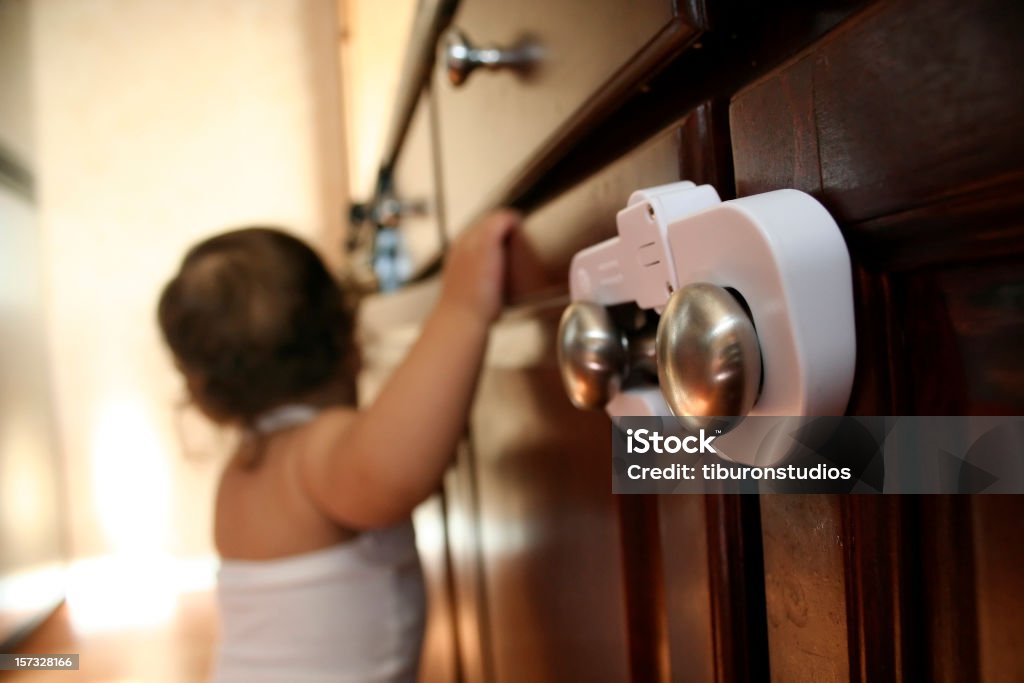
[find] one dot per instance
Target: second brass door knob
(709, 360)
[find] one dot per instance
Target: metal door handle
(705, 354)
(595, 356)
(461, 57)
(709, 359)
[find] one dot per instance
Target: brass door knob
(595, 355)
(709, 359)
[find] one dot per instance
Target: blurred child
(319, 579)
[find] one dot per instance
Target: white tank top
(349, 613)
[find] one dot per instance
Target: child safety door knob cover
(783, 261)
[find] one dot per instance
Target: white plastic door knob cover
(782, 252)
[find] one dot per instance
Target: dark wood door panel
(905, 123)
(549, 539)
(968, 582)
(711, 564)
(549, 567)
(471, 624)
(805, 588)
(439, 662)
(706, 570)
(879, 540)
(944, 581)
(692, 568)
(918, 154)
(963, 337)
(943, 340)
(998, 558)
(906, 103)
(877, 388)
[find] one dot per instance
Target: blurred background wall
(157, 124)
(32, 515)
(373, 49)
(148, 125)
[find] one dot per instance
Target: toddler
(319, 578)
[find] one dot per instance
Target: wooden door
(904, 118)
(556, 578)
(906, 123)
(544, 554)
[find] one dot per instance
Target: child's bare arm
(372, 470)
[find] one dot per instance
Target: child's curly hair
(255, 320)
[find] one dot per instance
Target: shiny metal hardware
(591, 354)
(390, 211)
(642, 352)
(461, 58)
(379, 260)
(595, 356)
(709, 359)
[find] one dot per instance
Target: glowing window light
(131, 479)
(133, 592)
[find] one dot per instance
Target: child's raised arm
(372, 470)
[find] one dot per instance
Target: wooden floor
(180, 649)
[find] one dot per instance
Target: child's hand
(364, 473)
(474, 272)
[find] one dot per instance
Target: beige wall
(15, 91)
(31, 511)
(376, 33)
(158, 123)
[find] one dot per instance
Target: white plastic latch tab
(636, 265)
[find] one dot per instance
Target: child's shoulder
(323, 430)
(334, 416)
